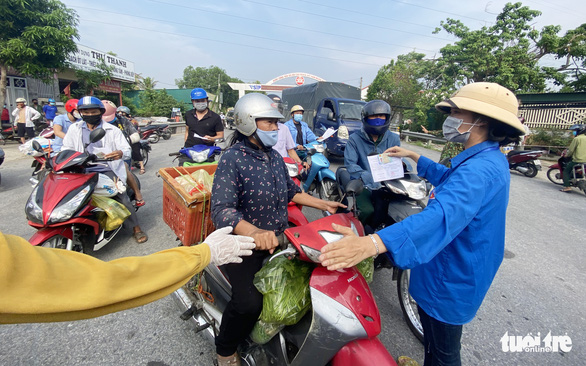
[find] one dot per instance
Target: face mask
(76, 115)
(268, 138)
(298, 117)
(200, 106)
(92, 120)
(375, 121)
(450, 130)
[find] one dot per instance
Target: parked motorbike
(296, 216)
(150, 133)
(405, 197)
(60, 208)
(164, 131)
(556, 173)
(340, 329)
(525, 162)
(8, 132)
(319, 177)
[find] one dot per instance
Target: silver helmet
(249, 108)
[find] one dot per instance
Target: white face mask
(200, 106)
(451, 132)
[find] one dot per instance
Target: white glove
(226, 248)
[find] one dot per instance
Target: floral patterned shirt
(252, 185)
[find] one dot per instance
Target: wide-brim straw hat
(489, 99)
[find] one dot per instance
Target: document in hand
(384, 167)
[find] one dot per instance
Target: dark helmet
(579, 128)
(372, 108)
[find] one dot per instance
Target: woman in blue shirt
(456, 245)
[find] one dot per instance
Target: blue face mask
(268, 138)
(298, 117)
(376, 121)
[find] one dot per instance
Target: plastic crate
(187, 215)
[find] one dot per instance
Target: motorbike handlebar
(174, 154)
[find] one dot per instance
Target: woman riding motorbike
(251, 191)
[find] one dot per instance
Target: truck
(328, 105)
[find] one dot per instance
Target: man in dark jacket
(373, 138)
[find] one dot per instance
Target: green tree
(207, 78)
(88, 81)
(145, 83)
(156, 103)
(35, 38)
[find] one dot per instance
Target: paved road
(539, 288)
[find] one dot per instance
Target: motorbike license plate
(537, 162)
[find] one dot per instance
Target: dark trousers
(567, 174)
(21, 129)
(373, 208)
(136, 153)
(441, 341)
(244, 308)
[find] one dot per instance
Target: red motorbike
(296, 217)
(60, 204)
(525, 162)
(577, 179)
(342, 326)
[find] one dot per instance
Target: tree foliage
(507, 52)
(207, 78)
(88, 81)
(156, 103)
(35, 37)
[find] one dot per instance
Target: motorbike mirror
(354, 187)
(97, 134)
(37, 146)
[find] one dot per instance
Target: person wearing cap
(49, 111)
(23, 119)
(455, 246)
(300, 131)
(203, 125)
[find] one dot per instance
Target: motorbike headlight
(33, 211)
(320, 148)
(312, 254)
(199, 156)
(65, 210)
(293, 170)
(417, 191)
(343, 133)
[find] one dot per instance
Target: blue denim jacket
(456, 244)
(308, 135)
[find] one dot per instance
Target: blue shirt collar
(471, 151)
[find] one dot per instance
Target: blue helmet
(90, 103)
(198, 93)
(51, 100)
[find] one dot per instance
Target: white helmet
(253, 106)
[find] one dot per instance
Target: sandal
(566, 190)
(140, 237)
(139, 203)
(142, 171)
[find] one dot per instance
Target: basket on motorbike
(188, 215)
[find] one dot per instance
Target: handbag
(134, 138)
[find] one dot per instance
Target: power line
(291, 26)
(353, 11)
(233, 43)
(436, 10)
(237, 33)
(344, 20)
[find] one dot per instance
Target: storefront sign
(87, 59)
(111, 86)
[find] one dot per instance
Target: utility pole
(217, 97)
(361, 83)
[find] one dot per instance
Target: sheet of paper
(201, 137)
(382, 170)
(329, 132)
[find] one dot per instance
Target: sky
(258, 40)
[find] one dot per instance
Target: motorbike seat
(515, 152)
